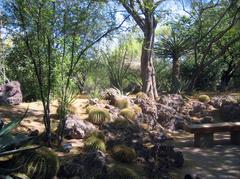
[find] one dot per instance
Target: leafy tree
(144, 14)
(208, 23)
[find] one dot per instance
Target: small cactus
(94, 143)
(98, 116)
(97, 134)
(141, 95)
(121, 172)
(204, 98)
(137, 109)
(128, 113)
(41, 163)
(89, 108)
(123, 153)
(121, 102)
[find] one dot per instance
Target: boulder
(218, 101)
(89, 165)
(230, 112)
(10, 93)
(175, 101)
(148, 106)
(199, 109)
(76, 128)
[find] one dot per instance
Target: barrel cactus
(121, 172)
(121, 102)
(41, 163)
(95, 142)
(98, 116)
(141, 95)
(128, 113)
(123, 153)
(204, 98)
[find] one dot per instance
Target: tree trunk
(176, 75)
(193, 81)
(147, 67)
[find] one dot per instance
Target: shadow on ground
(222, 161)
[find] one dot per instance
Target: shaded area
(222, 161)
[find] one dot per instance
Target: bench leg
(203, 139)
(235, 137)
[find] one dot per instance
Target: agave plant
(13, 143)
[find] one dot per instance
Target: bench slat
(217, 127)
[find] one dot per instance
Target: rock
(10, 93)
(218, 101)
(110, 94)
(76, 128)
(230, 112)
(94, 164)
(175, 101)
(199, 109)
(148, 106)
(67, 147)
(70, 170)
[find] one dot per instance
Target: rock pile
(10, 93)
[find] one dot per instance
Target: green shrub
(94, 143)
(128, 113)
(98, 116)
(121, 172)
(41, 163)
(121, 102)
(123, 153)
(204, 98)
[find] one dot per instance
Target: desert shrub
(123, 153)
(204, 98)
(41, 163)
(121, 172)
(94, 142)
(142, 95)
(98, 116)
(128, 113)
(121, 102)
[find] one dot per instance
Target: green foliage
(121, 172)
(41, 163)
(204, 98)
(98, 116)
(123, 153)
(128, 113)
(95, 142)
(121, 102)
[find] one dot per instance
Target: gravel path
(219, 162)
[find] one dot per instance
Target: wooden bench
(203, 133)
